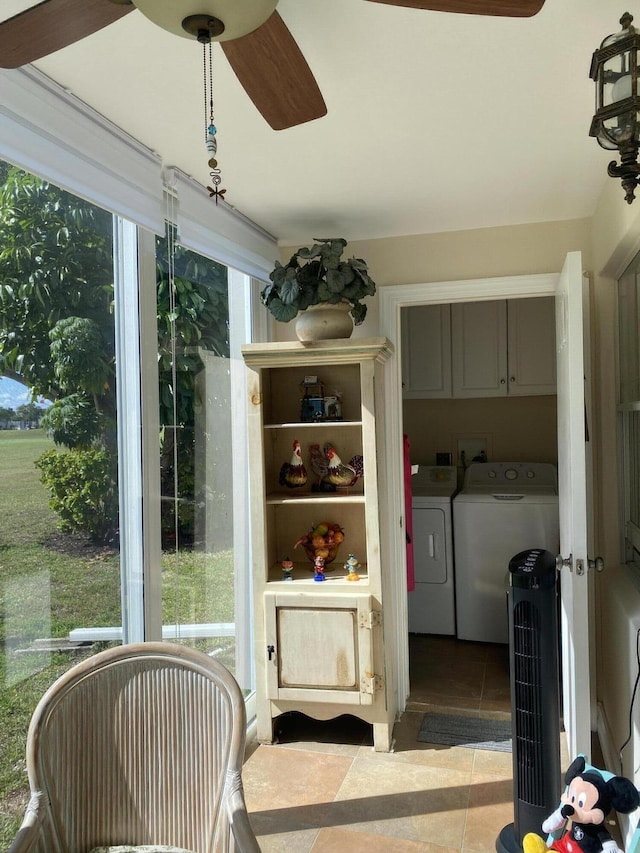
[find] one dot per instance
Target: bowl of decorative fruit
(323, 540)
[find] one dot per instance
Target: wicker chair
(138, 745)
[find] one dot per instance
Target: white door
(574, 577)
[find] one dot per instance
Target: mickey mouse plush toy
(578, 824)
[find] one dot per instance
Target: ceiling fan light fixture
(204, 28)
(615, 68)
(238, 17)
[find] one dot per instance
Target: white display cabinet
(319, 646)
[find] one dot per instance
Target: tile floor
(323, 789)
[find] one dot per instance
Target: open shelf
(313, 425)
(302, 497)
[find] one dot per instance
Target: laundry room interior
(479, 402)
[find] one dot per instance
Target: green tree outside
(57, 337)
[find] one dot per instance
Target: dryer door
(431, 604)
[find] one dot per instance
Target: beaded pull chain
(209, 126)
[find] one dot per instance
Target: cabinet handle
(271, 651)
(432, 546)
(513, 378)
(503, 381)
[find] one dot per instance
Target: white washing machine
(432, 603)
(503, 508)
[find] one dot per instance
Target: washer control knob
(511, 474)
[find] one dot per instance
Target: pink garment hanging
(408, 505)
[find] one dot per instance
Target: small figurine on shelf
(333, 407)
(319, 462)
(338, 474)
(318, 565)
(351, 567)
(293, 474)
(319, 466)
(287, 569)
(312, 403)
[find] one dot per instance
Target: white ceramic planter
(324, 321)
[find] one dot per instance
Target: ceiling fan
(259, 47)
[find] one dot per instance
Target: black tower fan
(535, 694)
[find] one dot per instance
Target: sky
(12, 393)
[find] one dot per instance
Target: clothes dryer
(432, 603)
(502, 509)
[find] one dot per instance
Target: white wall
(456, 255)
(436, 425)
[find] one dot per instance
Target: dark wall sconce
(616, 123)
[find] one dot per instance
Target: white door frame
(392, 511)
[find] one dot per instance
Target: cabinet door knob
(503, 381)
(513, 379)
(271, 650)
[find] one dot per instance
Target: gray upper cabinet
(426, 351)
(531, 345)
(479, 349)
(502, 348)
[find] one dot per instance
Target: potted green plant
(318, 276)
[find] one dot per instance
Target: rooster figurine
(319, 462)
(338, 473)
(293, 474)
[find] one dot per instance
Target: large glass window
(196, 450)
(113, 528)
(629, 406)
(59, 543)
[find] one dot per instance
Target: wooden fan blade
(52, 25)
(508, 8)
(274, 73)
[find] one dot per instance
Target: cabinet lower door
(320, 648)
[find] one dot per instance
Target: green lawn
(26, 517)
(51, 583)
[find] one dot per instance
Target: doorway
(470, 371)
(570, 288)
(392, 300)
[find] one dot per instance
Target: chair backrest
(140, 744)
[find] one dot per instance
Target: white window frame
(127, 335)
(627, 409)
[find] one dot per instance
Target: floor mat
(472, 732)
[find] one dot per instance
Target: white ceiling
(436, 122)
